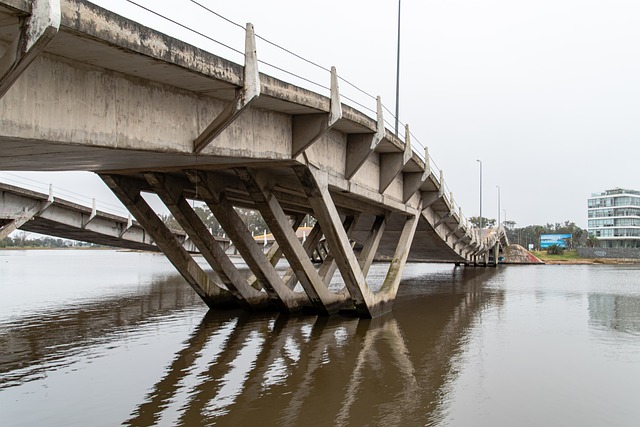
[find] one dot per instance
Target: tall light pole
(480, 161)
(498, 187)
(398, 73)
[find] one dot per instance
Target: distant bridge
(85, 89)
(36, 212)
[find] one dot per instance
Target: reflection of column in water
(148, 413)
(207, 397)
(285, 369)
(387, 330)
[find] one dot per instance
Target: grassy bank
(571, 257)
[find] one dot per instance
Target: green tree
(486, 222)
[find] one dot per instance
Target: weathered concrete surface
(111, 96)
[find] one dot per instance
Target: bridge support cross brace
(367, 304)
(128, 191)
(217, 201)
(324, 301)
(170, 191)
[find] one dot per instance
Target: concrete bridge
(85, 89)
(36, 212)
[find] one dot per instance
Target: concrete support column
(170, 192)
(324, 301)
(316, 188)
(216, 198)
(128, 191)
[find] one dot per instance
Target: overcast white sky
(546, 93)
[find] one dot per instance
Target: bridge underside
(149, 113)
(354, 231)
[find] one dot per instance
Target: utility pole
(480, 161)
(398, 74)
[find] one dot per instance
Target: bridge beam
(128, 191)
(391, 164)
(35, 34)
(18, 219)
(412, 181)
(245, 96)
(324, 301)
(170, 192)
(308, 128)
(215, 197)
(361, 145)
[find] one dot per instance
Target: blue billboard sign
(547, 240)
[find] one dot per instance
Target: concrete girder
(128, 192)
(308, 128)
(170, 192)
(324, 301)
(361, 145)
(214, 196)
(17, 219)
(442, 219)
(391, 164)
(244, 97)
(35, 34)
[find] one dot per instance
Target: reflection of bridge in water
(271, 368)
(283, 371)
(84, 89)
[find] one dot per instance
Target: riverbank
(571, 257)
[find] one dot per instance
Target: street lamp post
(480, 161)
(498, 187)
(398, 73)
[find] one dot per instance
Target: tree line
(530, 234)
(23, 240)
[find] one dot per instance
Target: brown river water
(107, 338)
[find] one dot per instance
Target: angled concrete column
(328, 268)
(370, 247)
(128, 191)
(366, 303)
(215, 197)
(274, 255)
(170, 191)
(311, 243)
(324, 301)
(316, 187)
(387, 293)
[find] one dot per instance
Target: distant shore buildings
(614, 218)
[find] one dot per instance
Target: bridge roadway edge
(77, 107)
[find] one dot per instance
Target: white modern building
(614, 218)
